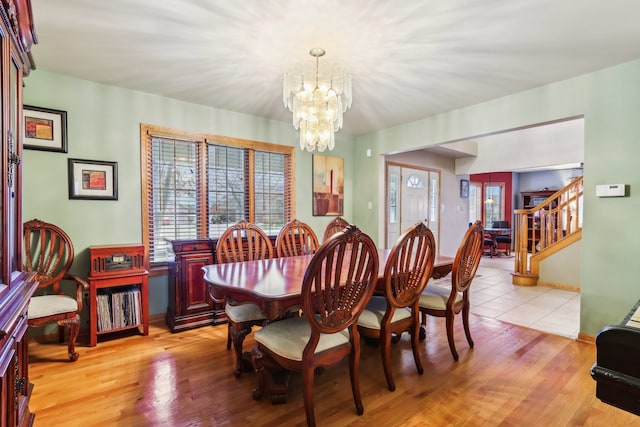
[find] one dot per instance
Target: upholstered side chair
(243, 241)
(337, 285)
(296, 238)
(337, 224)
(407, 270)
(448, 301)
(48, 252)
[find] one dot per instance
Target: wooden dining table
(275, 285)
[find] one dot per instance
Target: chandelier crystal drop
(317, 95)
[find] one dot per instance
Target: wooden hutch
(17, 35)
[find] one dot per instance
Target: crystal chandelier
(317, 94)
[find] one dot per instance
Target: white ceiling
(409, 58)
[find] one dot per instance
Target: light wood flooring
(513, 377)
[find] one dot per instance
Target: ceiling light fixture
(317, 95)
(489, 199)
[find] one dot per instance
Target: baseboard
(572, 288)
(589, 339)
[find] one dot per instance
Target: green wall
(104, 124)
(610, 102)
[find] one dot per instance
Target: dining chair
(243, 241)
(447, 302)
(48, 251)
(406, 272)
(296, 238)
(337, 285)
(337, 224)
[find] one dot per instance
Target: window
(196, 185)
(475, 202)
(493, 203)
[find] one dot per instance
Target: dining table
(494, 233)
(275, 285)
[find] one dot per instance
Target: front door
(413, 195)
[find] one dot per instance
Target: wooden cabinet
(16, 38)
(531, 199)
(190, 305)
(118, 290)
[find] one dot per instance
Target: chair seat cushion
(244, 313)
(371, 316)
(48, 305)
(435, 297)
(503, 239)
(288, 338)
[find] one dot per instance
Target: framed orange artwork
(45, 129)
(93, 179)
(328, 185)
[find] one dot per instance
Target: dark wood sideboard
(190, 305)
(17, 35)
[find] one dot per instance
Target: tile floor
(546, 309)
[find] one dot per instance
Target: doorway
(412, 195)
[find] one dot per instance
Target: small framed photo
(93, 179)
(464, 188)
(44, 129)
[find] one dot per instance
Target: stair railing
(546, 224)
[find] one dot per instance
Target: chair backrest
(500, 224)
(339, 282)
(467, 258)
(48, 251)
(409, 266)
(338, 224)
(296, 238)
(243, 241)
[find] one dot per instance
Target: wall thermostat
(610, 190)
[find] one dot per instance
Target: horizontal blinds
(272, 190)
(175, 205)
(195, 186)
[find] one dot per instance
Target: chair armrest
(81, 285)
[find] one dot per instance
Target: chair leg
(237, 333)
(415, 338)
(385, 350)
(452, 344)
(465, 321)
(74, 327)
(354, 369)
(422, 335)
(307, 392)
(229, 335)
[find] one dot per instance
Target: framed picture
(45, 129)
(464, 188)
(328, 185)
(93, 179)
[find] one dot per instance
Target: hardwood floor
(514, 377)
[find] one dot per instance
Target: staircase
(545, 229)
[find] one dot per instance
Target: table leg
(271, 376)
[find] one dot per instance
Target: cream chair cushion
(48, 305)
(371, 316)
(243, 313)
(436, 297)
(288, 338)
